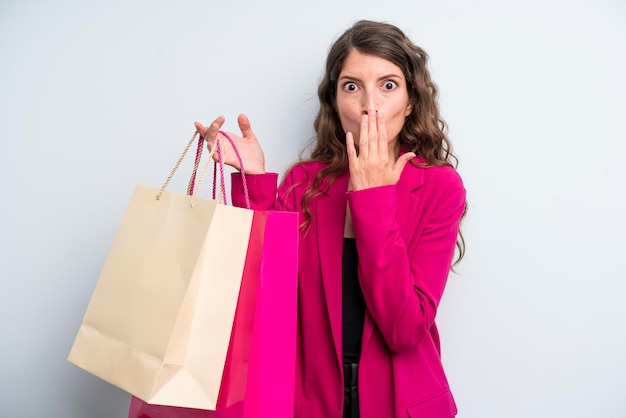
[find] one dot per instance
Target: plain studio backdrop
(98, 96)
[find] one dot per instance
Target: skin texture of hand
(247, 144)
(375, 164)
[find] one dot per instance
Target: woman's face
(368, 82)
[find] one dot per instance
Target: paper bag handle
(192, 179)
(220, 161)
(180, 159)
(192, 187)
(218, 145)
(241, 169)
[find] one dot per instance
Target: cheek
(349, 111)
(350, 118)
(395, 123)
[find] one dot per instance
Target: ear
(409, 109)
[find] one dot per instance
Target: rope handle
(222, 191)
(180, 159)
(191, 186)
(220, 163)
(192, 179)
(241, 169)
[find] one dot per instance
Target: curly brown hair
(424, 131)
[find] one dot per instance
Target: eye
(350, 86)
(390, 85)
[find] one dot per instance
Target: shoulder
(417, 171)
(443, 175)
(432, 180)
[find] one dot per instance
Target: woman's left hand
(375, 164)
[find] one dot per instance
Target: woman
(380, 204)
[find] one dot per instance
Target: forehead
(359, 64)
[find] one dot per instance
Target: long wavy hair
(424, 131)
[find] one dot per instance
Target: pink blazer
(405, 236)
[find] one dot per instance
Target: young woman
(380, 204)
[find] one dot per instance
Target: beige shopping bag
(159, 320)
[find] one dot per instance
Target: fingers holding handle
(247, 145)
(210, 133)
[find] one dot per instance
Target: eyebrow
(384, 77)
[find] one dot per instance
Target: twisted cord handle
(204, 170)
(214, 177)
(193, 187)
(220, 159)
(167, 181)
(192, 179)
(243, 173)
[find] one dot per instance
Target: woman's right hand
(247, 145)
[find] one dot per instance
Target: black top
(353, 304)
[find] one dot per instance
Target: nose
(369, 102)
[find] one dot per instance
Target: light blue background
(98, 96)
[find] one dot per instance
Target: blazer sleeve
(403, 282)
(263, 191)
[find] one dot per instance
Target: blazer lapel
(330, 222)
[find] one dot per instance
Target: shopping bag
(159, 321)
(259, 375)
(260, 365)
